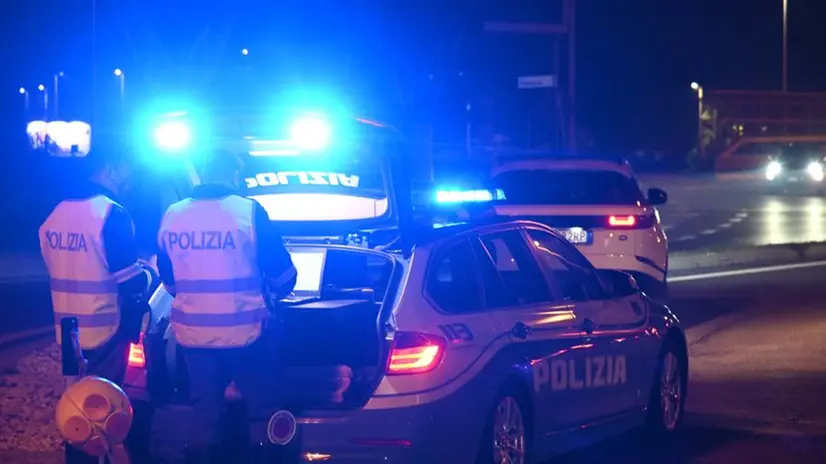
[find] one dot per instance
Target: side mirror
(657, 196)
(618, 284)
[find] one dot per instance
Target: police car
(491, 340)
(597, 204)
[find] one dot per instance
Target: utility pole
(785, 45)
(566, 29)
(570, 20)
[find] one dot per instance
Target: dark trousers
(253, 369)
(109, 362)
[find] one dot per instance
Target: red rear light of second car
(629, 221)
(622, 221)
(137, 357)
(415, 353)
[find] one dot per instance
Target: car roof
(615, 164)
(477, 225)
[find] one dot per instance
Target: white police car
(493, 342)
(597, 204)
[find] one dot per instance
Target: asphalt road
(739, 213)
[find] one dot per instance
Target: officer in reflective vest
(223, 260)
(89, 246)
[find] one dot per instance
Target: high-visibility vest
(82, 285)
(211, 244)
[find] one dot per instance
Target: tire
(518, 443)
(666, 407)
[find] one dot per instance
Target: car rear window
(568, 187)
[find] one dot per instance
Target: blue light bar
(469, 196)
(173, 135)
(311, 132)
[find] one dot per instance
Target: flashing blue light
(173, 135)
(310, 132)
(469, 196)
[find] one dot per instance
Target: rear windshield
(568, 187)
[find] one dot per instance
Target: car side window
(522, 279)
(453, 279)
(569, 269)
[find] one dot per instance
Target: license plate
(577, 236)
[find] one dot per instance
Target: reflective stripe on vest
(81, 284)
(218, 287)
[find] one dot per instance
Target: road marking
(725, 225)
(685, 238)
(709, 231)
(747, 271)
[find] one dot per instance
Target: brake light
(137, 358)
(622, 221)
(415, 353)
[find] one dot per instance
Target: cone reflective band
(281, 428)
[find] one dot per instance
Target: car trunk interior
(330, 351)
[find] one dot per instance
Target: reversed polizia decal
(269, 179)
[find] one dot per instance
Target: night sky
(636, 58)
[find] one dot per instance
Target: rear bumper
(406, 435)
(448, 430)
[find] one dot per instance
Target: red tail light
(622, 221)
(137, 358)
(643, 221)
(415, 353)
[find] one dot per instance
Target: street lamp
(699, 89)
(42, 88)
(56, 95)
(122, 78)
(25, 94)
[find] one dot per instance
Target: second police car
(597, 204)
(486, 341)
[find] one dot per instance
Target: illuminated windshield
(316, 192)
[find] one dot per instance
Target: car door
(615, 365)
(541, 329)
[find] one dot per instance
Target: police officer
(221, 258)
(88, 244)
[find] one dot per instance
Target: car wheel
(667, 405)
(506, 437)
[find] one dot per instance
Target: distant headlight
(773, 170)
(815, 170)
